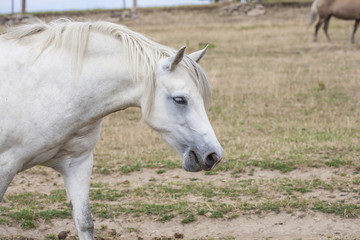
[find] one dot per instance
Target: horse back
(343, 9)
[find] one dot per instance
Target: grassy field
(286, 111)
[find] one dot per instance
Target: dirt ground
(294, 225)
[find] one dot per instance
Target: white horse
(58, 81)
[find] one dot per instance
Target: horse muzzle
(193, 162)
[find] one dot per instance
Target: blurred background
(15, 6)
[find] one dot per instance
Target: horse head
(179, 111)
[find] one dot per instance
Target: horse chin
(191, 162)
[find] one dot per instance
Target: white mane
(143, 53)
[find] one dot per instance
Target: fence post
(12, 6)
(23, 7)
(134, 7)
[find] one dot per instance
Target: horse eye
(180, 100)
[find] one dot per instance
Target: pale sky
(58, 5)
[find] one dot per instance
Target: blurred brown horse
(343, 9)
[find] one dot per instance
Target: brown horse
(342, 9)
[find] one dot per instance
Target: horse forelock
(143, 53)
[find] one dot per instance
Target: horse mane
(143, 53)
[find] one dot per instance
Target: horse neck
(105, 81)
(106, 74)
(103, 84)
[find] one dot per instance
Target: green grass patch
(217, 214)
(106, 194)
(160, 171)
(211, 173)
(166, 217)
(50, 214)
(339, 208)
(188, 219)
(161, 163)
(130, 168)
(272, 165)
(336, 163)
(3, 221)
(51, 236)
(57, 196)
(27, 198)
(28, 217)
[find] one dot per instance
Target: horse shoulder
(81, 142)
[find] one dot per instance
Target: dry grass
(275, 93)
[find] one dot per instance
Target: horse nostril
(211, 159)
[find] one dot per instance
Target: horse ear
(177, 58)
(196, 56)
